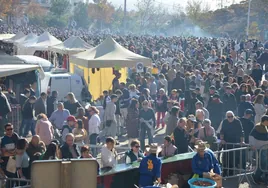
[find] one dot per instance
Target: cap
(71, 118)
(193, 119)
(228, 87)
(248, 111)
(212, 88)
(264, 118)
(154, 148)
(216, 95)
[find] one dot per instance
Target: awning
(8, 70)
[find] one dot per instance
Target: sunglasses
(137, 146)
(230, 116)
(10, 129)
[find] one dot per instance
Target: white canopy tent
(16, 37)
(6, 36)
(43, 43)
(70, 46)
(109, 54)
(8, 59)
(22, 47)
(34, 60)
(26, 38)
(8, 70)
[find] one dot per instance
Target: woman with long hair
(132, 120)
(44, 129)
(80, 134)
(51, 152)
(72, 103)
(259, 107)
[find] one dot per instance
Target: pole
(248, 20)
(125, 14)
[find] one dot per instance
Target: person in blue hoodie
(150, 167)
(205, 164)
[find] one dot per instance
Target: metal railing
(237, 160)
(14, 183)
(96, 150)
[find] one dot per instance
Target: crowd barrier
(14, 183)
(120, 153)
(263, 163)
(15, 117)
(237, 161)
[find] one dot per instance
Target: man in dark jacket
(69, 150)
(4, 110)
(191, 104)
(124, 103)
(181, 137)
(27, 117)
(24, 96)
(247, 124)
(178, 82)
(51, 103)
(41, 104)
(244, 105)
(229, 100)
(257, 74)
(263, 59)
(215, 108)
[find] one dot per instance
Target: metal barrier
(237, 161)
(120, 153)
(262, 169)
(14, 183)
(15, 116)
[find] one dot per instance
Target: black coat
(178, 83)
(247, 125)
(65, 152)
(4, 105)
(216, 113)
(229, 102)
(23, 99)
(27, 111)
(50, 105)
(243, 106)
(181, 140)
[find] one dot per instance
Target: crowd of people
(192, 91)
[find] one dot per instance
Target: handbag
(11, 165)
(108, 123)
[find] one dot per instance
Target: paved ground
(233, 183)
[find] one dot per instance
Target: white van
(63, 82)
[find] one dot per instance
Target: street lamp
(248, 20)
(125, 14)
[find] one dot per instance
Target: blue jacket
(150, 170)
(206, 164)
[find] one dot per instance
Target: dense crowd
(193, 91)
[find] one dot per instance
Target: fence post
(66, 174)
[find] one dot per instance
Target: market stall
(69, 47)
(126, 175)
(99, 63)
(41, 47)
